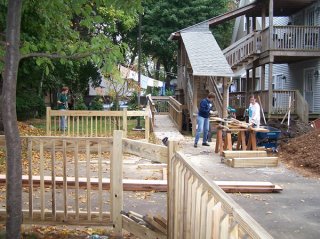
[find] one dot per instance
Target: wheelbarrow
(268, 139)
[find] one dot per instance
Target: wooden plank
(161, 221)
(255, 162)
(116, 181)
(60, 216)
(164, 174)
(64, 173)
(140, 230)
(76, 176)
(239, 153)
(203, 214)
(198, 211)
(30, 179)
(53, 175)
(88, 180)
(224, 227)
(146, 150)
(100, 199)
(152, 166)
(149, 219)
(42, 189)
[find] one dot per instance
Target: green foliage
(96, 103)
(161, 18)
(79, 103)
(133, 101)
(29, 105)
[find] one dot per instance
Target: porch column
(270, 91)
(247, 86)
(263, 78)
(248, 24)
(263, 14)
(271, 24)
(253, 80)
(254, 25)
(194, 104)
(225, 97)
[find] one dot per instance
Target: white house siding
(297, 72)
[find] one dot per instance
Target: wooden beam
(140, 230)
(243, 153)
(116, 182)
(253, 162)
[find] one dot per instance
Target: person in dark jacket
(203, 119)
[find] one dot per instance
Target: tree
(69, 31)
(161, 18)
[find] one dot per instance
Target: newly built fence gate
(69, 180)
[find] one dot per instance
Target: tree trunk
(13, 144)
(1, 121)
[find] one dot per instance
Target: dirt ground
(298, 147)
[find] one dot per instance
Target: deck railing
(84, 123)
(242, 49)
(280, 100)
(284, 38)
(202, 210)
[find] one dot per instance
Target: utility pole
(139, 70)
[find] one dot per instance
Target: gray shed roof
(205, 55)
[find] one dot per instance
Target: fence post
(170, 196)
(48, 121)
(125, 122)
(116, 183)
(147, 123)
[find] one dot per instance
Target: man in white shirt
(254, 112)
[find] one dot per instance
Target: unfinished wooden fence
(200, 209)
(61, 185)
(84, 123)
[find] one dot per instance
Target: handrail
(91, 123)
(203, 210)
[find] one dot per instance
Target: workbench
(224, 135)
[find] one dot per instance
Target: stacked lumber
(248, 187)
(157, 224)
(249, 159)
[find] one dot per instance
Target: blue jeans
(203, 125)
(63, 122)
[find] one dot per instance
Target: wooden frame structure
(197, 207)
(83, 123)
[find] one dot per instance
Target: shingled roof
(205, 55)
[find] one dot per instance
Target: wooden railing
(202, 210)
(293, 38)
(79, 180)
(63, 172)
(280, 102)
(84, 123)
(284, 38)
(243, 48)
(166, 105)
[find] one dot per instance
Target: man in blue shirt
(203, 119)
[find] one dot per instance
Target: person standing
(254, 112)
(63, 105)
(203, 119)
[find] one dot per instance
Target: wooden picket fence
(84, 123)
(196, 206)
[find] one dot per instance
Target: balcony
(288, 43)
